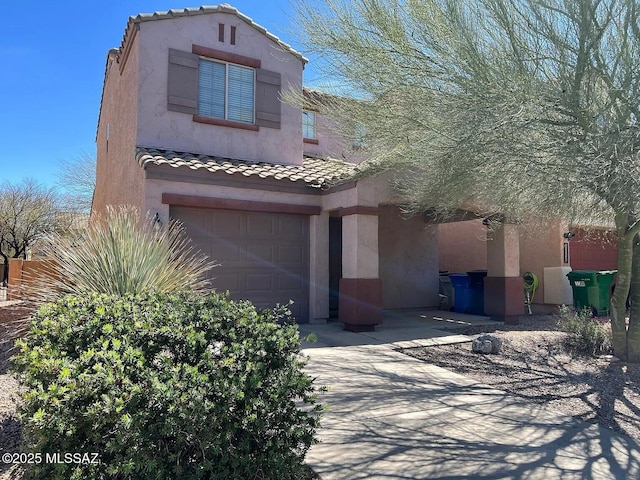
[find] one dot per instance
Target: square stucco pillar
(360, 296)
(503, 285)
(319, 268)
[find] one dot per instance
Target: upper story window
(308, 124)
(226, 91)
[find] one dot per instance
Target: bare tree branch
(78, 178)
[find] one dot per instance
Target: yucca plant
(123, 253)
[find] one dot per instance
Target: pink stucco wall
(119, 179)
(331, 144)
(173, 130)
(408, 250)
(462, 246)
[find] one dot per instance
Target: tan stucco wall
(360, 248)
(119, 179)
(540, 247)
(408, 261)
(462, 246)
(503, 251)
(173, 130)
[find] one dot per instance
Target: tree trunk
(619, 299)
(5, 275)
(633, 332)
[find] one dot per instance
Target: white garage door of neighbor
(263, 257)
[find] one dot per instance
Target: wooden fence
(24, 274)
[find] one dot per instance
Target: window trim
(215, 54)
(221, 122)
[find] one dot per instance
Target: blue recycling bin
(462, 289)
(476, 286)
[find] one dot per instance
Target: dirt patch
(534, 365)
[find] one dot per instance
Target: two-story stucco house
(192, 127)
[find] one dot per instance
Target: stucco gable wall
(173, 130)
(119, 179)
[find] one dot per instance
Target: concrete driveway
(392, 416)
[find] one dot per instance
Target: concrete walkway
(392, 416)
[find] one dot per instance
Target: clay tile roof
(314, 172)
(222, 8)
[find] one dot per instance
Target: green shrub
(166, 385)
(586, 335)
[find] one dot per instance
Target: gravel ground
(9, 424)
(534, 365)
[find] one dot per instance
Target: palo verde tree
(27, 213)
(514, 107)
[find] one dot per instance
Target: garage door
(264, 257)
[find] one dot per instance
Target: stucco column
(360, 297)
(319, 268)
(503, 285)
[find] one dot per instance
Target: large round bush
(171, 385)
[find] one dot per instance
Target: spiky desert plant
(123, 253)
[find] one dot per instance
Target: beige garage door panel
(264, 257)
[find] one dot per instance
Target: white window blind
(211, 89)
(226, 91)
(240, 94)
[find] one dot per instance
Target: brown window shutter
(182, 82)
(267, 98)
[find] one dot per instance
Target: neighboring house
(192, 127)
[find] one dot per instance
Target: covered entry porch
(381, 260)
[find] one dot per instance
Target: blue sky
(52, 57)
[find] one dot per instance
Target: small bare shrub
(586, 335)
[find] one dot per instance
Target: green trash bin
(605, 278)
(591, 289)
